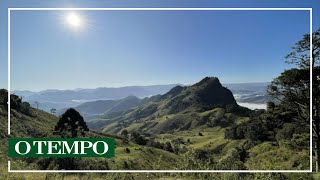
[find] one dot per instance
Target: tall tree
(4, 98)
(37, 104)
(53, 111)
(292, 87)
(70, 124)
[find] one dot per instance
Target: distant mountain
(59, 99)
(247, 87)
(172, 110)
(251, 95)
(105, 108)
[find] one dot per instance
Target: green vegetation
(70, 124)
(227, 135)
(200, 146)
(106, 108)
(41, 124)
(195, 127)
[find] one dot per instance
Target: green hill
(181, 129)
(206, 119)
(177, 109)
(106, 108)
(29, 122)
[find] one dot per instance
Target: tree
(4, 98)
(292, 87)
(37, 104)
(70, 124)
(270, 106)
(168, 147)
(125, 133)
(53, 111)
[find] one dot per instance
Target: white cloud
(253, 105)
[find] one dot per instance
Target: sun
(74, 20)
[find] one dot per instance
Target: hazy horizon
(72, 49)
(81, 88)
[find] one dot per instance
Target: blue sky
(122, 48)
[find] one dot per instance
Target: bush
(293, 135)
(4, 98)
(198, 159)
(25, 108)
(16, 103)
(126, 165)
(139, 139)
(167, 146)
(155, 144)
(286, 132)
(230, 133)
(300, 141)
(125, 133)
(297, 142)
(127, 150)
(270, 176)
(231, 161)
(253, 130)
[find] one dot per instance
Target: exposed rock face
(211, 92)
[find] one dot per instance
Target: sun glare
(74, 20)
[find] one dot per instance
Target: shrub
(253, 130)
(198, 159)
(231, 161)
(300, 141)
(286, 132)
(127, 150)
(125, 133)
(4, 98)
(167, 146)
(126, 165)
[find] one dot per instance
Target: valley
(190, 127)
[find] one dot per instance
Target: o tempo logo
(61, 147)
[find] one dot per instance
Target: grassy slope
(268, 156)
(22, 126)
(261, 156)
(41, 124)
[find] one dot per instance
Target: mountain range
(106, 108)
(59, 99)
(172, 110)
(251, 95)
(200, 126)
